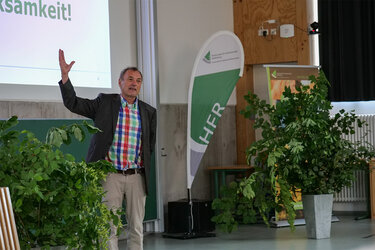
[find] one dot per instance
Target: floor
(345, 234)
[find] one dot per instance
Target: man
(127, 140)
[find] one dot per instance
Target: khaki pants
(133, 188)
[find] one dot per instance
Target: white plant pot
(317, 210)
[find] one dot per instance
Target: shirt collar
(125, 103)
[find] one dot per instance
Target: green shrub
(56, 200)
(301, 148)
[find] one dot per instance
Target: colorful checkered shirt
(125, 151)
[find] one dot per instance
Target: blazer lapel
(116, 103)
(142, 111)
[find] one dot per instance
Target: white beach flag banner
(216, 70)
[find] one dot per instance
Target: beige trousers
(133, 188)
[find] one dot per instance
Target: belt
(131, 171)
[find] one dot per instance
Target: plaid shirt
(125, 151)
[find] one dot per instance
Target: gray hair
(122, 73)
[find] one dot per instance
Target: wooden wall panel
(248, 17)
(245, 132)
(26, 110)
(270, 49)
(237, 19)
(303, 46)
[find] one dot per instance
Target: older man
(127, 140)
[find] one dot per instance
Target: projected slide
(32, 32)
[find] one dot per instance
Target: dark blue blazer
(104, 110)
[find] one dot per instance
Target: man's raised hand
(64, 67)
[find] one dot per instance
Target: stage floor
(345, 234)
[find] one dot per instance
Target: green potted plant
(56, 200)
(301, 148)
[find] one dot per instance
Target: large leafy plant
(56, 200)
(301, 148)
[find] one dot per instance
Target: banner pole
(191, 216)
(217, 68)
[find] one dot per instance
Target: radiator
(358, 191)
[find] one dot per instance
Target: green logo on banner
(274, 74)
(207, 57)
(207, 105)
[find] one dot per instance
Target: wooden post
(8, 231)
(372, 187)
(303, 46)
(245, 133)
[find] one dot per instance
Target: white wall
(183, 27)
(360, 108)
(123, 53)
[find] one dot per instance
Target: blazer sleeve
(78, 105)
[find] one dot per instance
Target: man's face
(130, 84)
